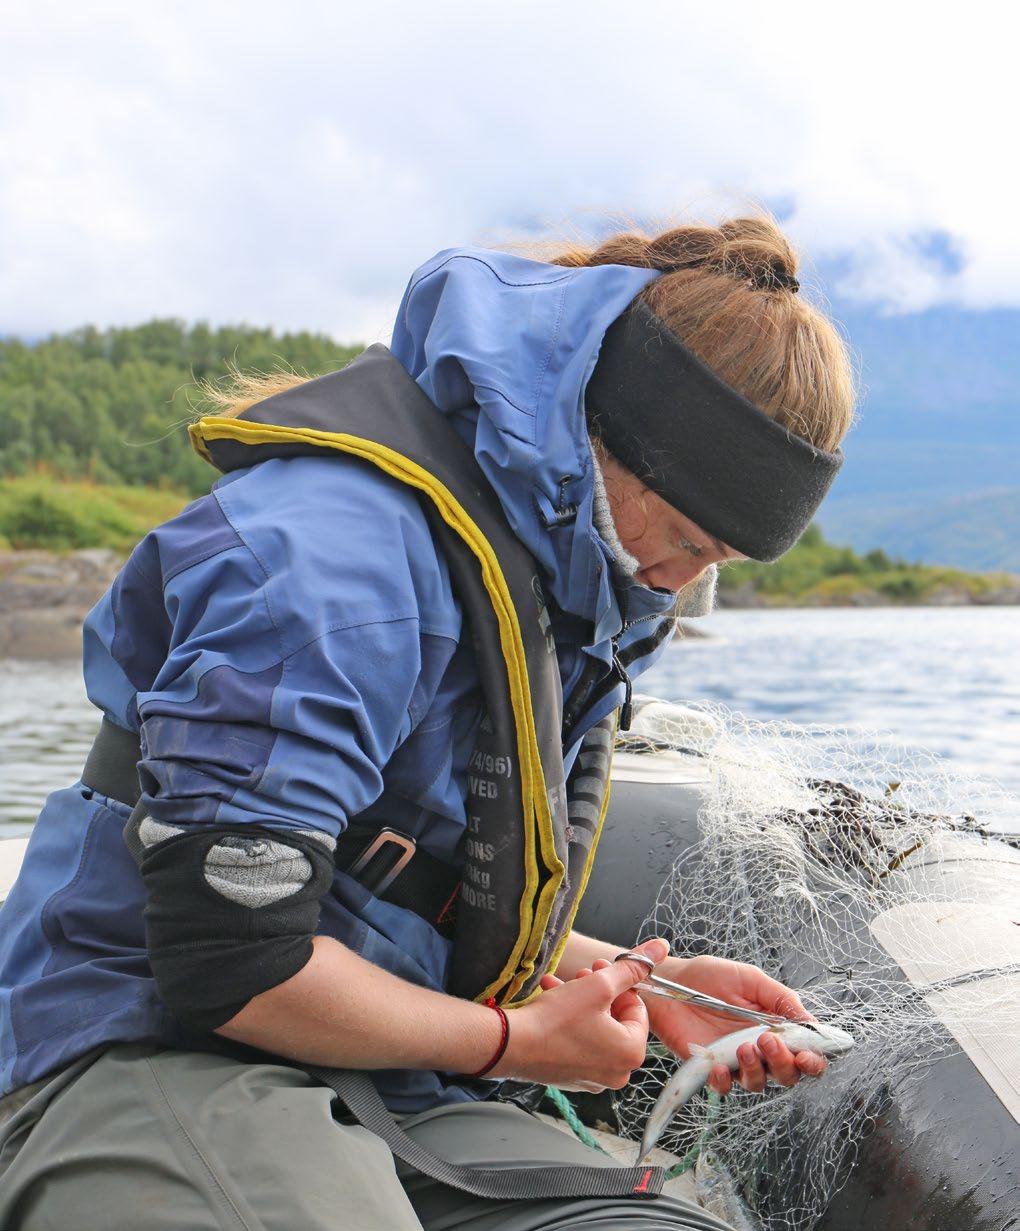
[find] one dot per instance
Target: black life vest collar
(530, 840)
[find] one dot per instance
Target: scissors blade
(658, 986)
(702, 1000)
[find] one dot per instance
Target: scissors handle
(658, 986)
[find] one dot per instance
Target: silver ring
(635, 957)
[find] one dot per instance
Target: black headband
(699, 444)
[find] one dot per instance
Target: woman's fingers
(589, 1032)
(782, 1066)
(628, 1007)
(582, 1009)
(720, 1080)
(776, 997)
(752, 1072)
(621, 975)
(810, 1063)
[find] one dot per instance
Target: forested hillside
(110, 405)
(932, 465)
(94, 451)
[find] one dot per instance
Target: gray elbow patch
(151, 832)
(256, 871)
(210, 947)
(251, 870)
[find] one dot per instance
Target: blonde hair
(725, 292)
(238, 391)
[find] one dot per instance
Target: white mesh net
(835, 861)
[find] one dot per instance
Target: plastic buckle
(392, 837)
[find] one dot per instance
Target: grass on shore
(38, 511)
(43, 512)
(816, 573)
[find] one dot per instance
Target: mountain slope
(933, 463)
(978, 531)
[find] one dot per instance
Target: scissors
(656, 985)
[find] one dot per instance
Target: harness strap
(111, 768)
(375, 858)
(518, 1183)
(396, 871)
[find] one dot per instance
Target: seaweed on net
(810, 839)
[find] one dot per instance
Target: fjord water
(945, 679)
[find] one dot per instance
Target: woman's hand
(678, 1025)
(587, 1034)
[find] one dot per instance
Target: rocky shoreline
(44, 597)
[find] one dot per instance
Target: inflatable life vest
(531, 836)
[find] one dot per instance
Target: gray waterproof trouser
(145, 1138)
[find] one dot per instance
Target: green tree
(112, 405)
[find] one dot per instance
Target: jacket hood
(505, 347)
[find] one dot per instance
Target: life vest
(531, 836)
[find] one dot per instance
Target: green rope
(566, 1109)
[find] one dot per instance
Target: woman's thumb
(626, 971)
(656, 949)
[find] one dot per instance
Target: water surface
(942, 679)
(947, 679)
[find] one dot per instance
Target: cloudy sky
(290, 164)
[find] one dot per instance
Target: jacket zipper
(627, 709)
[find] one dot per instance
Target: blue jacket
(289, 649)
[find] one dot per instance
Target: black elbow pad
(230, 911)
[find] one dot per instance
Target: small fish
(692, 1075)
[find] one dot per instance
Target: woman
(369, 684)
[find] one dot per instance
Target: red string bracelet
(504, 1039)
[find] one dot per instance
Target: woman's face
(671, 549)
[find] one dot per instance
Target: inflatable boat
(942, 1153)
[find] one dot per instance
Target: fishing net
(859, 871)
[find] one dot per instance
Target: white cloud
(291, 165)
